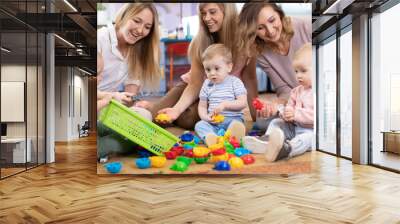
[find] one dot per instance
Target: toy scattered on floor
(170, 155)
(162, 118)
(248, 159)
(197, 140)
(179, 166)
(188, 153)
(233, 140)
(241, 152)
(184, 159)
(227, 135)
(187, 137)
(113, 167)
(217, 152)
(235, 162)
(216, 146)
(257, 104)
(222, 166)
(228, 146)
(201, 151)
(143, 163)
(219, 118)
(178, 149)
(187, 146)
(223, 157)
(201, 160)
(143, 153)
(158, 161)
(221, 132)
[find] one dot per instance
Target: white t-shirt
(115, 73)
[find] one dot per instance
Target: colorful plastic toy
(227, 135)
(179, 166)
(248, 159)
(185, 159)
(188, 153)
(170, 154)
(216, 146)
(223, 157)
(228, 146)
(187, 146)
(196, 140)
(201, 151)
(241, 152)
(222, 166)
(217, 152)
(233, 140)
(158, 161)
(143, 153)
(178, 149)
(221, 132)
(187, 137)
(143, 163)
(230, 151)
(236, 162)
(201, 160)
(162, 118)
(257, 104)
(219, 118)
(113, 167)
(220, 140)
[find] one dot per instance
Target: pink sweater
(302, 102)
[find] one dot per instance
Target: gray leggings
(109, 142)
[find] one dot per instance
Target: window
(385, 86)
(327, 96)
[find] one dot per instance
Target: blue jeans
(203, 128)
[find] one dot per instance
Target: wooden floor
(70, 191)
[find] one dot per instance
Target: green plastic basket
(136, 128)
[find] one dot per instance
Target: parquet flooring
(70, 191)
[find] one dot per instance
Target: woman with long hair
(218, 24)
(267, 33)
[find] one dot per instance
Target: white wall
(69, 85)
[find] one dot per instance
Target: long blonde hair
(249, 42)
(144, 56)
(226, 35)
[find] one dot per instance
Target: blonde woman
(265, 32)
(130, 50)
(218, 24)
(130, 55)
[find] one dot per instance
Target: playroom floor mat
(300, 164)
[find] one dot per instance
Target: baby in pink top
(292, 133)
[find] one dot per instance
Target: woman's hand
(172, 113)
(270, 109)
(124, 97)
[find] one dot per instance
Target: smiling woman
(130, 49)
(271, 36)
(130, 52)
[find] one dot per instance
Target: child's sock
(237, 129)
(256, 144)
(211, 139)
(277, 148)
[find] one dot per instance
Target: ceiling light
(70, 5)
(64, 40)
(5, 50)
(84, 71)
(337, 7)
